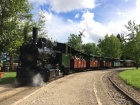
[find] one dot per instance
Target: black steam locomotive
(37, 58)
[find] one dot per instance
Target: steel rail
(124, 93)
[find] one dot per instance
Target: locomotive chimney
(35, 35)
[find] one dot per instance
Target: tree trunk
(11, 61)
(137, 65)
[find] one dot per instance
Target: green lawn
(8, 77)
(131, 77)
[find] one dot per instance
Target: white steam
(38, 80)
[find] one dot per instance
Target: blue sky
(96, 17)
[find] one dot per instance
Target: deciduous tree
(91, 48)
(16, 23)
(110, 46)
(133, 42)
(75, 42)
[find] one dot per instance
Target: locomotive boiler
(37, 58)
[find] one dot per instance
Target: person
(75, 57)
(72, 57)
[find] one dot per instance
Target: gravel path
(102, 93)
(84, 88)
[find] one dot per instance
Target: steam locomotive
(37, 57)
(52, 60)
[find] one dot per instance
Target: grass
(8, 77)
(131, 77)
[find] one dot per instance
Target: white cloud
(66, 5)
(137, 12)
(131, 14)
(69, 20)
(126, 0)
(121, 14)
(60, 29)
(138, 4)
(39, 2)
(96, 30)
(70, 5)
(117, 28)
(77, 15)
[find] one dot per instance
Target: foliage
(91, 48)
(110, 46)
(28, 25)
(133, 41)
(16, 22)
(40, 23)
(75, 42)
(11, 13)
(131, 77)
(121, 37)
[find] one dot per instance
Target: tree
(91, 48)
(110, 46)
(29, 23)
(75, 42)
(16, 23)
(40, 23)
(121, 37)
(133, 42)
(12, 12)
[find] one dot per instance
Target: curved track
(130, 98)
(119, 91)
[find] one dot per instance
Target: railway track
(120, 93)
(130, 98)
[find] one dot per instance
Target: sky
(96, 17)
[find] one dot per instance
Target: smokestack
(35, 35)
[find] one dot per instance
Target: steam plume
(38, 80)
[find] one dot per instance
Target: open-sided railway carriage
(93, 62)
(129, 63)
(116, 63)
(78, 60)
(108, 62)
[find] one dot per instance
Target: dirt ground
(84, 88)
